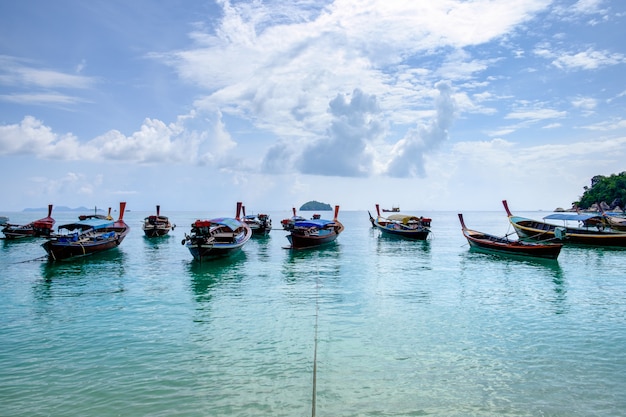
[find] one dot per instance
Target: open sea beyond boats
(366, 326)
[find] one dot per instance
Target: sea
(366, 326)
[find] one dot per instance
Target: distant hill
(315, 206)
(62, 208)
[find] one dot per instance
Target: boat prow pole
(122, 209)
(239, 205)
(336, 213)
(506, 207)
(462, 221)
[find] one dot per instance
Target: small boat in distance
(86, 237)
(95, 215)
(394, 209)
(157, 225)
(401, 225)
(312, 233)
(38, 228)
(260, 224)
(502, 245)
(592, 236)
(217, 238)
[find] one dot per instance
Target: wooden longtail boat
(502, 245)
(401, 225)
(260, 224)
(157, 225)
(538, 230)
(312, 233)
(86, 237)
(217, 238)
(39, 228)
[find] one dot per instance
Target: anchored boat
(217, 238)
(315, 232)
(86, 237)
(503, 245)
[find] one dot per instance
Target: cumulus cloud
(345, 151)
(408, 153)
(278, 65)
(31, 136)
(196, 139)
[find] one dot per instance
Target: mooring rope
(317, 309)
(41, 258)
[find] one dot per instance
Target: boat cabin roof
(232, 224)
(92, 223)
(571, 216)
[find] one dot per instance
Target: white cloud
(586, 103)
(280, 74)
(40, 98)
(607, 125)
(346, 151)
(196, 139)
(588, 60)
(14, 72)
(32, 137)
(408, 154)
(535, 114)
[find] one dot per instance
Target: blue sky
(194, 105)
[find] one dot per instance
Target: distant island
(315, 206)
(62, 208)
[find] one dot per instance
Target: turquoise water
(399, 328)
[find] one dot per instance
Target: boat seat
(225, 236)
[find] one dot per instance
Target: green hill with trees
(315, 206)
(611, 190)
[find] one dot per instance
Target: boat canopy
(572, 216)
(92, 223)
(318, 223)
(402, 218)
(232, 224)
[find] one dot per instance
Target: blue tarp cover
(319, 223)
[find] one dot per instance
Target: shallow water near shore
(399, 328)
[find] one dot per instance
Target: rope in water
(314, 395)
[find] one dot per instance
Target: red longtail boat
(39, 228)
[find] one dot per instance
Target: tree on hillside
(611, 189)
